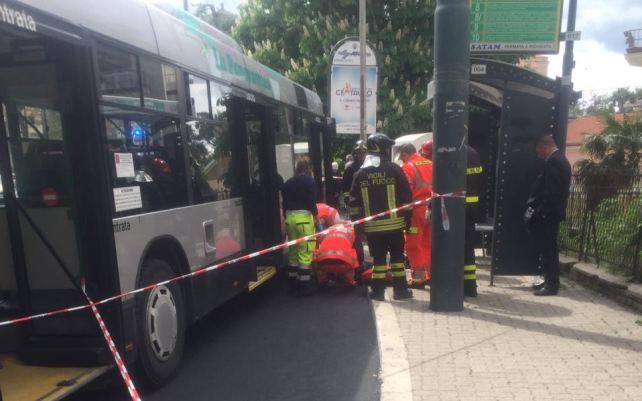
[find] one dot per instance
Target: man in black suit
(546, 208)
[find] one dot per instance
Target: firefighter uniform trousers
(379, 245)
(470, 268)
(473, 177)
(300, 223)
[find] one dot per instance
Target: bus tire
(160, 320)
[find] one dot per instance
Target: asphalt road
(271, 346)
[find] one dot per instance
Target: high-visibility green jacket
(377, 189)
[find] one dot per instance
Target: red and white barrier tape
(112, 347)
(129, 383)
(459, 194)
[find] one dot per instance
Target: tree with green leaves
(219, 18)
(295, 37)
(607, 103)
(615, 156)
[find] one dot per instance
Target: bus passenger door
(42, 124)
(262, 182)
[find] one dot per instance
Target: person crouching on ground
(336, 256)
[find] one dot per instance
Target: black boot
(470, 288)
(377, 289)
(400, 288)
(291, 278)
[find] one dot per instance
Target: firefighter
(426, 150)
(336, 256)
(473, 182)
(418, 170)
(300, 209)
(359, 154)
(378, 186)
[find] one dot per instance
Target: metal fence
(609, 232)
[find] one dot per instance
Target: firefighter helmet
(380, 145)
(426, 149)
(360, 145)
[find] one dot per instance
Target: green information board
(515, 26)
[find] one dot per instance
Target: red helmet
(426, 149)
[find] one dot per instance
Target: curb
(613, 287)
(396, 384)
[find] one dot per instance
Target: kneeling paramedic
(379, 186)
(327, 216)
(336, 256)
(300, 209)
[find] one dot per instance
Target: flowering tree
(295, 37)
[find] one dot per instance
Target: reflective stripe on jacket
(418, 170)
(338, 245)
(473, 176)
(328, 213)
(378, 189)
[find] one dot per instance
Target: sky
(599, 56)
(600, 66)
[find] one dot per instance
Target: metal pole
(567, 82)
(636, 256)
(450, 120)
(362, 67)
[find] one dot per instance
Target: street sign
(344, 87)
(515, 26)
(571, 36)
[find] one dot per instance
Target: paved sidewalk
(510, 345)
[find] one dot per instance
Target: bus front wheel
(160, 316)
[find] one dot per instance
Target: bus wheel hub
(162, 322)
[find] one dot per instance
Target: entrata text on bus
(134, 147)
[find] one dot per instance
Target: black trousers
(470, 267)
(545, 235)
(382, 243)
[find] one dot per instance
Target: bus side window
(154, 144)
(210, 142)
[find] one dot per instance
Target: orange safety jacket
(419, 173)
(338, 245)
(327, 213)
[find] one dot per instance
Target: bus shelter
(510, 107)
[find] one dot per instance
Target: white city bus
(137, 143)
